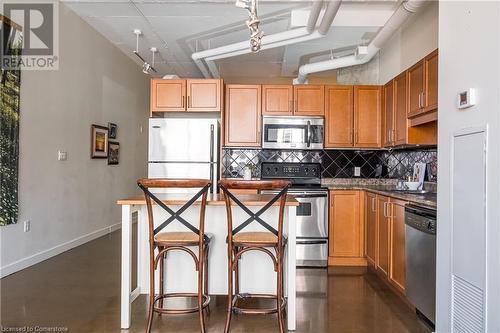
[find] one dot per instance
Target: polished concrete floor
(78, 291)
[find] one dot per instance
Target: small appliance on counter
(312, 212)
(184, 148)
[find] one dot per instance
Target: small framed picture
(99, 141)
(114, 153)
(112, 130)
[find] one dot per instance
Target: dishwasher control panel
(421, 219)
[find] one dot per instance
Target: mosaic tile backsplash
(335, 163)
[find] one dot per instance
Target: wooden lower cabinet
(371, 228)
(346, 232)
(383, 235)
(397, 271)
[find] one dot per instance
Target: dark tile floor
(79, 290)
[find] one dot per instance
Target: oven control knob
(268, 170)
(276, 169)
(307, 170)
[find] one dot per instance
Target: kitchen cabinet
(339, 116)
(277, 100)
(399, 136)
(397, 271)
(242, 116)
(388, 114)
(186, 95)
(383, 235)
(203, 95)
(346, 228)
(168, 95)
(309, 100)
(367, 116)
(423, 86)
(371, 227)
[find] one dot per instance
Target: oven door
(292, 133)
(311, 214)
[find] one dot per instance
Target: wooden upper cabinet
(345, 233)
(400, 109)
(383, 235)
(397, 272)
(168, 95)
(309, 100)
(388, 115)
(367, 116)
(431, 82)
(204, 95)
(339, 116)
(415, 88)
(371, 228)
(242, 116)
(277, 100)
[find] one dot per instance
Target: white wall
(414, 40)
(469, 55)
(73, 201)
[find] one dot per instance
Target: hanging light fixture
(252, 23)
(146, 67)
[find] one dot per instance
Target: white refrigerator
(184, 148)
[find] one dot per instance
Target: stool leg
(162, 277)
(229, 292)
(207, 249)
(279, 290)
(201, 282)
(151, 290)
(236, 273)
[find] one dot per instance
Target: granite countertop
(386, 187)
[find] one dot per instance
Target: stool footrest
(206, 302)
(239, 310)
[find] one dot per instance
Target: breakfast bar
(180, 273)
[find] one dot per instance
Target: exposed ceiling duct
(405, 10)
(293, 36)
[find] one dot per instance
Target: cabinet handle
(290, 105)
(385, 209)
(182, 102)
(393, 136)
(419, 100)
(373, 205)
(355, 137)
(296, 106)
(423, 100)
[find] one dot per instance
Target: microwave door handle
(308, 133)
(212, 139)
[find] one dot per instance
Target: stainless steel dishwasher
(421, 259)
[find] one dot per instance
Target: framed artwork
(113, 152)
(112, 130)
(99, 143)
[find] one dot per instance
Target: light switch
(62, 155)
(357, 171)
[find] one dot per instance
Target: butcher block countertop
(174, 199)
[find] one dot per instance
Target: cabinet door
(371, 227)
(415, 88)
(242, 116)
(339, 116)
(277, 100)
(168, 95)
(309, 100)
(383, 230)
(400, 109)
(204, 95)
(431, 82)
(388, 118)
(397, 274)
(345, 231)
(367, 116)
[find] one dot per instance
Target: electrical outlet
(357, 171)
(27, 226)
(62, 155)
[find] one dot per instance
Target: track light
(147, 68)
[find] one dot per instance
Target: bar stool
(241, 242)
(163, 242)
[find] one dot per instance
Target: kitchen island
(256, 269)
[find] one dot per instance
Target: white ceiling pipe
(404, 11)
(301, 34)
(239, 48)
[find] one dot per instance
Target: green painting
(11, 41)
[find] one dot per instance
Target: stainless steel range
(312, 212)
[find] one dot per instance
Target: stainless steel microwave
(292, 132)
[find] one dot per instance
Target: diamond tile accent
(335, 163)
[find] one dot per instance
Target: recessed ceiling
(179, 28)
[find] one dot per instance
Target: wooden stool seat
(252, 238)
(186, 238)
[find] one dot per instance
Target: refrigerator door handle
(214, 186)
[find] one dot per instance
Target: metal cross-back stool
(177, 241)
(241, 242)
